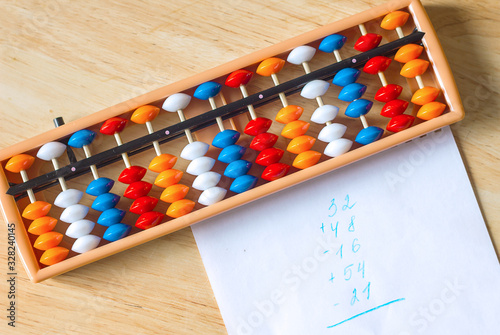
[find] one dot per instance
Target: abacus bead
(431, 110)
(206, 180)
(301, 54)
(48, 240)
(414, 68)
(367, 42)
(19, 162)
(314, 89)
(162, 162)
(100, 186)
(408, 52)
(42, 225)
(105, 201)
(269, 156)
(289, 113)
(36, 210)
(324, 114)
(236, 169)
(132, 174)
(225, 138)
(394, 107)
(180, 208)
(377, 64)
(68, 198)
(369, 135)
(110, 217)
(137, 189)
(425, 95)
(174, 193)
(332, 43)
(306, 159)
(388, 93)
(85, 243)
(51, 150)
(212, 195)
(207, 90)
(294, 129)
(113, 125)
(258, 126)
(81, 138)
(275, 171)
(238, 78)
(270, 66)
(143, 205)
(400, 122)
(300, 144)
(394, 20)
(176, 102)
(116, 232)
(149, 219)
(352, 92)
(346, 76)
(74, 213)
(358, 107)
(231, 153)
(168, 177)
(145, 114)
(338, 147)
(263, 141)
(243, 183)
(80, 228)
(54, 255)
(200, 165)
(332, 132)
(194, 150)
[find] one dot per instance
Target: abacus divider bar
(251, 110)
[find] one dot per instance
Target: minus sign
(336, 304)
(12, 274)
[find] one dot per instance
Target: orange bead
(431, 110)
(144, 114)
(414, 68)
(395, 19)
(300, 144)
(408, 52)
(42, 225)
(270, 66)
(54, 255)
(162, 162)
(36, 210)
(48, 240)
(19, 162)
(180, 208)
(168, 177)
(295, 129)
(425, 95)
(289, 113)
(306, 159)
(173, 193)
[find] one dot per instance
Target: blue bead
(116, 232)
(100, 186)
(207, 90)
(231, 153)
(352, 92)
(237, 168)
(332, 42)
(243, 183)
(81, 138)
(346, 76)
(105, 201)
(225, 138)
(110, 216)
(358, 107)
(369, 135)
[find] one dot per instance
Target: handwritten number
(334, 206)
(340, 251)
(361, 268)
(354, 297)
(355, 246)
(346, 206)
(336, 229)
(347, 270)
(367, 290)
(351, 225)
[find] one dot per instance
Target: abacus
(249, 128)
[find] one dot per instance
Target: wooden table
(71, 58)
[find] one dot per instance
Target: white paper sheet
(410, 253)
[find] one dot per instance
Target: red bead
(137, 189)
(275, 171)
(263, 141)
(143, 205)
(388, 93)
(258, 126)
(149, 219)
(393, 108)
(132, 174)
(400, 122)
(239, 77)
(367, 42)
(377, 64)
(269, 156)
(113, 125)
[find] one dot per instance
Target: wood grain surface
(71, 58)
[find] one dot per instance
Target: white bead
(200, 165)
(301, 54)
(314, 89)
(85, 243)
(194, 150)
(212, 195)
(324, 114)
(51, 150)
(176, 101)
(80, 228)
(74, 213)
(206, 180)
(338, 147)
(68, 198)
(332, 132)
